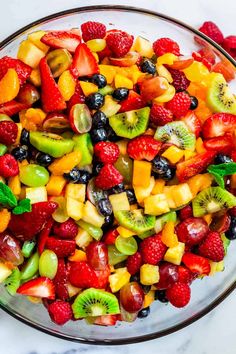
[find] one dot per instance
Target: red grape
(186, 212)
(168, 275)
(28, 94)
(97, 255)
(220, 223)
(131, 297)
(10, 249)
(192, 231)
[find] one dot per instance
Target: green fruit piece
(83, 144)
(226, 242)
(3, 149)
(130, 124)
(59, 60)
(219, 96)
(4, 117)
(135, 220)
(211, 200)
(93, 231)
(52, 144)
(176, 133)
(27, 248)
(12, 283)
(96, 45)
(115, 256)
(107, 90)
(67, 135)
(146, 234)
(60, 214)
(95, 302)
(31, 267)
(48, 263)
(124, 165)
(162, 220)
(34, 175)
(127, 246)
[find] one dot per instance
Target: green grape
(115, 256)
(126, 246)
(27, 248)
(3, 149)
(96, 45)
(107, 90)
(31, 267)
(48, 263)
(34, 175)
(125, 166)
(93, 231)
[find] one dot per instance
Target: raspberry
(179, 294)
(152, 249)
(67, 229)
(8, 132)
(186, 213)
(93, 30)
(185, 275)
(229, 42)
(211, 30)
(165, 45)
(119, 43)
(180, 104)
(60, 312)
(212, 247)
(134, 263)
(62, 248)
(180, 81)
(159, 115)
(108, 177)
(107, 152)
(8, 166)
(143, 147)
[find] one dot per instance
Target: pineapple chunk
(122, 81)
(125, 232)
(188, 154)
(4, 272)
(74, 208)
(83, 238)
(110, 106)
(35, 77)
(55, 185)
(76, 191)
(118, 279)
(36, 194)
(72, 290)
(159, 186)
(173, 154)
(174, 254)
(91, 215)
(199, 182)
(143, 47)
(181, 194)
(88, 87)
(119, 201)
(168, 194)
(216, 267)
(142, 173)
(149, 274)
(143, 192)
(30, 54)
(35, 38)
(109, 71)
(156, 205)
(149, 298)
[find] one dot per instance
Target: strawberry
(198, 57)
(218, 124)
(119, 42)
(44, 234)
(51, 96)
(133, 263)
(102, 277)
(8, 166)
(193, 123)
(194, 165)
(185, 275)
(93, 30)
(8, 132)
(179, 294)
(186, 212)
(108, 177)
(23, 70)
(211, 30)
(12, 107)
(60, 280)
(208, 54)
(67, 229)
(152, 249)
(212, 247)
(84, 62)
(60, 312)
(160, 116)
(27, 225)
(106, 152)
(143, 147)
(106, 320)
(110, 236)
(223, 144)
(132, 102)
(179, 105)
(62, 39)
(105, 53)
(41, 287)
(78, 97)
(82, 275)
(165, 45)
(180, 81)
(62, 248)
(229, 42)
(196, 264)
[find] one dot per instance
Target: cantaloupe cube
(35, 77)
(200, 146)
(173, 154)
(88, 87)
(74, 208)
(76, 191)
(156, 205)
(174, 254)
(91, 215)
(141, 173)
(15, 185)
(188, 154)
(118, 279)
(143, 46)
(36, 194)
(78, 256)
(35, 38)
(119, 201)
(30, 54)
(168, 236)
(181, 194)
(55, 185)
(143, 192)
(149, 274)
(159, 186)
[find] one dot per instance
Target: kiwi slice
(211, 200)
(95, 302)
(219, 96)
(52, 144)
(178, 134)
(12, 283)
(83, 143)
(162, 220)
(135, 220)
(130, 124)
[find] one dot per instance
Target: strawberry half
(103, 277)
(134, 101)
(62, 39)
(143, 147)
(62, 248)
(223, 144)
(196, 264)
(219, 124)
(41, 287)
(12, 107)
(44, 234)
(78, 97)
(23, 70)
(193, 123)
(82, 275)
(106, 320)
(60, 280)
(84, 62)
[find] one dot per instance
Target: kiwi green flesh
(211, 200)
(162, 220)
(51, 144)
(83, 144)
(95, 302)
(12, 283)
(178, 134)
(130, 124)
(219, 97)
(135, 221)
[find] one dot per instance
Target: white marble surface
(215, 332)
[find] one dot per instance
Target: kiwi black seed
(135, 220)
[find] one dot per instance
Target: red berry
(23, 70)
(185, 275)
(108, 177)
(8, 166)
(97, 255)
(186, 212)
(159, 115)
(119, 43)
(168, 275)
(133, 263)
(180, 104)
(211, 30)
(109, 238)
(106, 320)
(62, 248)
(152, 249)
(103, 277)
(82, 275)
(166, 45)
(41, 287)
(180, 81)
(107, 152)
(192, 231)
(229, 42)
(60, 312)
(218, 124)
(93, 30)
(8, 132)
(132, 102)
(179, 294)
(67, 229)
(193, 123)
(212, 247)
(12, 107)
(62, 39)
(196, 264)
(143, 147)
(60, 280)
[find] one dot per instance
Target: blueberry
(117, 189)
(160, 165)
(109, 219)
(194, 102)
(111, 135)
(160, 295)
(43, 159)
(25, 137)
(84, 177)
(147, 66)
(97, 167)
(99, 120)
(131, 196)
(20, 153)
(94, 100)
(98, 135)
(99, 80)
(73, 176)
(168, 174)
(231, 232)
(120, 94)
(144, 312)
(221, 158)
(104, 207)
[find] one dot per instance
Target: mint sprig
(22, 207)
(8, 200)
(222, 170)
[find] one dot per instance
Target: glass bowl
(206, 293)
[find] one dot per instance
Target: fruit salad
(117, 172)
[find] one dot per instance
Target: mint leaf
(222, 170)
(7, 198)
(22, 207)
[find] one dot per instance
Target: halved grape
(115, 256)
(125, 166)
(4, 117)
(48, 263)
(56, 123)
(127, 246)
(96, 45)
(33, 175)
(80, 118)
(131, 297)
(59, 60)
(31, 267)
(28, 94)
(10, 250)
(3, 149)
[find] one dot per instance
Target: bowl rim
(220, 298)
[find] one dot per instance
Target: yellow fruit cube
(188, 154)
(36, 194)
(167, 191)
(74, 208)
(142, 173)
(109, 71)
(119, 201)
(216, 267)
(200, 146)
(15, 185)
(66, 85)
(118, 279)
(83, 239)
(88, 87)
(65, 163)
(156, 205)
(17, 142)
(168, 236)
(73, 290)
(78, 256)
(164, 72)
(35, 77)
(143, 47)
(173, 154)
(35, 38)
(167, 58)
(174, 254)
(55, 185)
(196, 72)
(91, 215)
(159, 186)
(200, 182)
(110, 106)
(149, 298)
(122, 81)
(125, 232)
(5, 217)
(181, 194)
(76, 191)
(143, 192)
(9, 86)
(30, 54)
(149, 274)
(4, 272)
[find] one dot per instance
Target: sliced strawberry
(62, 248)
(182, 63)
(219, 124)
(134, 101)
(78, 97)
(41, 287)
(103, 276)
(60, 280)
(84, 62)
(193, 123)
(43, 236)
(106, 320)
(62, 39)
(23, 70)
(195, 165)
(82, 275)
(196, 264)
(143, 147)
(110, 237)
(223, 144)
(12, 107)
